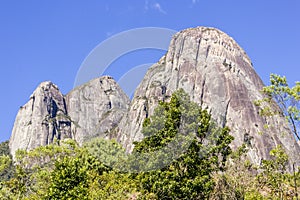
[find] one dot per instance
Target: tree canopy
(184, 155)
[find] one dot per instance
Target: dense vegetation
(6, 164)
(184, 155)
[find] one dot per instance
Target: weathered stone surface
(216, 72)
(208, 64)
(91, 110)
(41, 120)
(96, 108)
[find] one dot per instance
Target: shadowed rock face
(216, 73)
(41, 120)
(93, 109)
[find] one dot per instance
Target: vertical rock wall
(41, 120)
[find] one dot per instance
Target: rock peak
(47, 85)
(217, 74)
(106, 77)
(90, 110)
(207, 63)
(202, 31)
(41, 119)
(96, 108)
(218, 43)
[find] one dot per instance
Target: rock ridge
(207, 63)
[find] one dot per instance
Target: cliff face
(96, 108)
(208, 64)
(40, 120)
(216, 73)
(91, 110)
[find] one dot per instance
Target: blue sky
(48, 40)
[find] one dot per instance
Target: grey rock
(217, 73)
(96, 108)
(208, 64)
(41, 120)
(91, 110)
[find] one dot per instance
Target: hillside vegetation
(184, 155)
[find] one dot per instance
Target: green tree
(190, 175)
(238, 180)
(279, 93)
(67, 171)
(4, 148)
(288, 99)
(73, 174)
(69, 180)
(6, 165)
(113, 183)
(115, 186)
(243, 180)
(108, 152)
(273, 176)
(32, 176)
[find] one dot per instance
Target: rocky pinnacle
(91, 110)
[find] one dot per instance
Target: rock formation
(215, 71)
(40, 120)
(91, 110)
(96, 108)
(208, 64)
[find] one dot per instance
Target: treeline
(184, 155)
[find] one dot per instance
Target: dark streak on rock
(225, 114)
(199, 41)
(202, 91)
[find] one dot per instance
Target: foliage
(109, 152)
(243, 180)
(6, 164)
(238, 179)
(189, 176)
(184, 155)
(288, 99)
(4, 149)
(273, 175)
(114, 185)
(69, 179)
(65, 171)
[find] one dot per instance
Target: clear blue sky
(48, 40)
